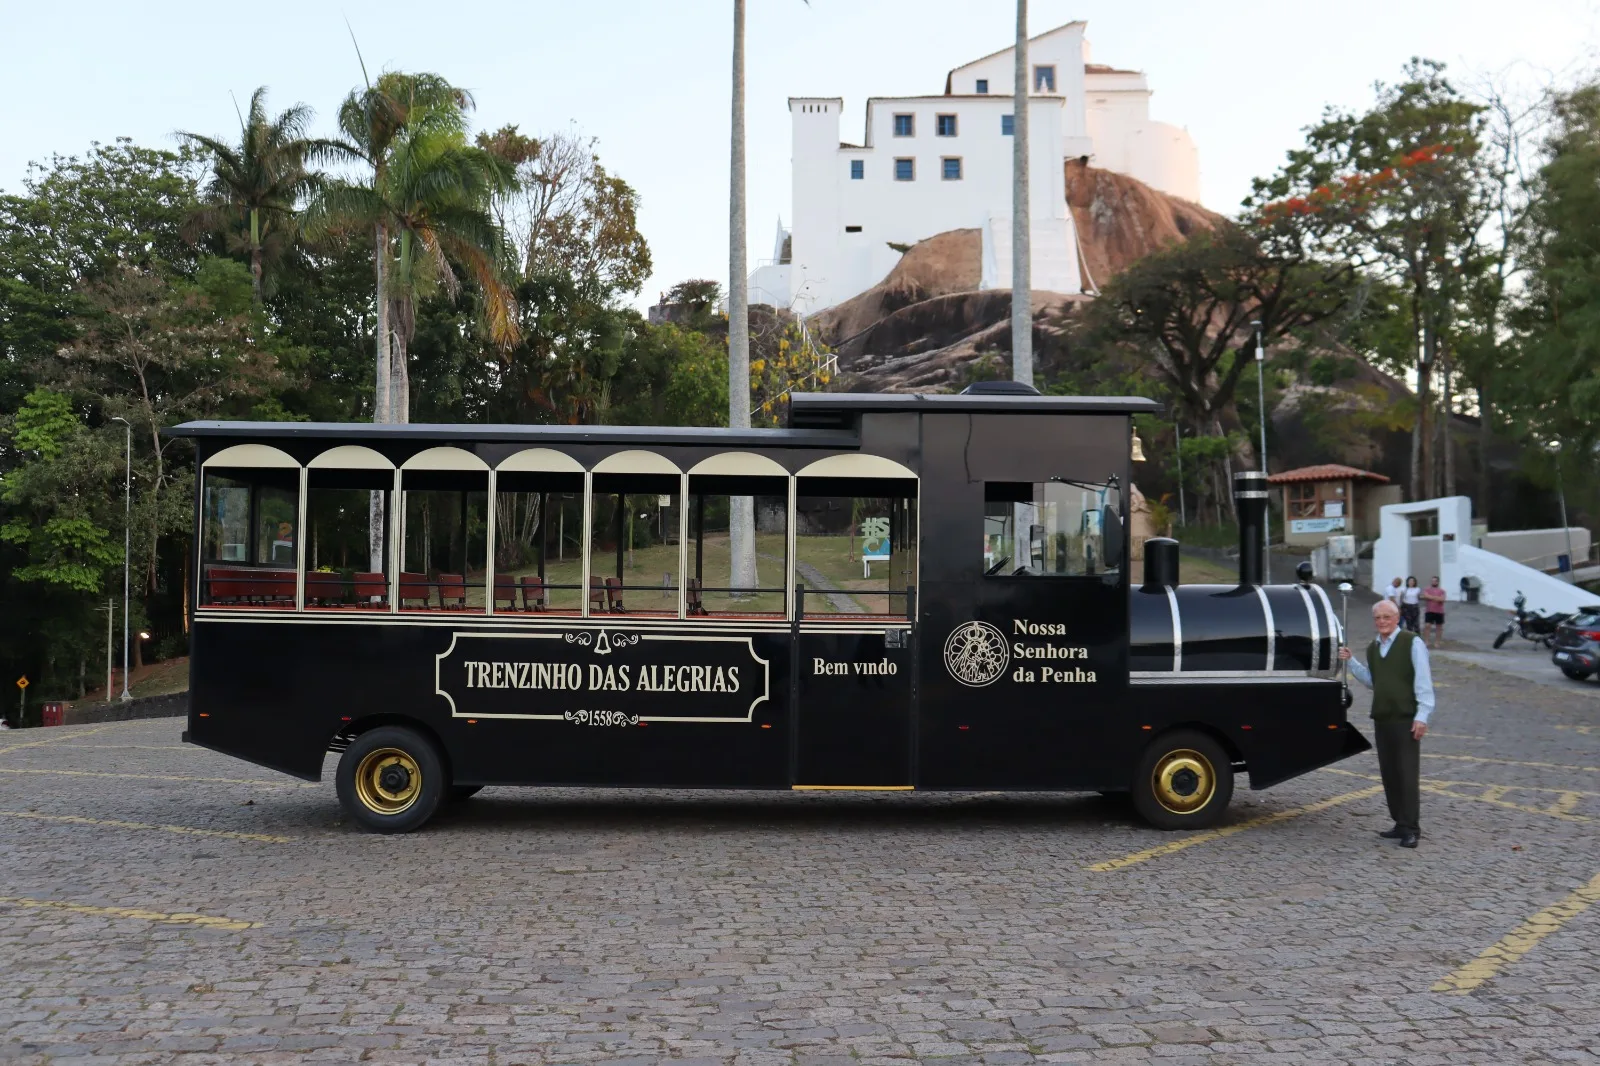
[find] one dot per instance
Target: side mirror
(1303, 573)
(1111, 537)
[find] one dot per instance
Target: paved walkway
(163, 904)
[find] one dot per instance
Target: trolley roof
(820, 420)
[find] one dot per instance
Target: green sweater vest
(1394, 693)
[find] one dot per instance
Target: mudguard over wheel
(391, 780)
(1184, 781)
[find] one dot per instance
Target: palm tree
(428, 206)
(256, 184)
(1021, 257)
(372, 120)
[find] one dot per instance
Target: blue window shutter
(904, 170)
(857, 170)
(952, 170)
(983, 86)
(1008, 126)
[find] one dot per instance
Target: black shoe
(1409, 838)
(1392, 834)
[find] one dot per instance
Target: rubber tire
(429, 765)
(1576, 674)
(463, 792)
(1501, 639)
(1143, 791)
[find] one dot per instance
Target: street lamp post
(1261, 400)
(1554, 448)
(127, 550)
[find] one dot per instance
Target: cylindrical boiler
(1232, 629)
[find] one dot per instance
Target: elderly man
(1401, 680)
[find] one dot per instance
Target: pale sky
(650, 80)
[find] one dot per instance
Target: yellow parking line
(130, 912)
(1209, 835)
(57, 739)
(165, 777)
(74, 819)
(1512, 762)
(1521, 940)
(1561, 807)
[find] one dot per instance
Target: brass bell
(1138, 448)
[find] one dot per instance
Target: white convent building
(930, 164)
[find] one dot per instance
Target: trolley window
(1057, 528)
(538, 545)
(856, 547)
(347, 539)
(731, 580)
(634, 544)
(249, 522)
(444, 532)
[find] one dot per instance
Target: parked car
(1577, 644)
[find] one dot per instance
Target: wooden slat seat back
(533, 593)
(505, 592)
(452, 592)
(372, 590)
(249, 586)
(326, 589)
(597, 593)
(415, 587)
(692, 597)
(614, 595)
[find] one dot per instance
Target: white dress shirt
(1422, 684)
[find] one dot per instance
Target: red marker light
(346, 718)
(962, 727)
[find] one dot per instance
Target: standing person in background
(1401, 679)
(1392, 593)
(1411, 605)
(1433, 598)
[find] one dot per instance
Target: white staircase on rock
(1054, 255)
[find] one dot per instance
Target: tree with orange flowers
(1404, 190)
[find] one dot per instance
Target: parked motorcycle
(1531, 625)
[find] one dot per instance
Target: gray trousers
(1400, 763)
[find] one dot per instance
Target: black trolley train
(374, 591)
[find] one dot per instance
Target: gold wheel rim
(389, 796)
(1184, 781)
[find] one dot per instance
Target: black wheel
(390, 780)
(1501, 639)
(464, 792)
(1184, 781)
(1576, 674)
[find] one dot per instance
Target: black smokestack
(1250, 501)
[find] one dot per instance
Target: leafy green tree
(1193, 305)
(255, 185)
(56, 507)
(1556, 393)
(158, 351)
(1403, 188)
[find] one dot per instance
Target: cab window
(1057, 528)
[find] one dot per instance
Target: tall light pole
(1261, 400)
(1177, 435)
(1554, 448)
(127, 549)
(1021, 225)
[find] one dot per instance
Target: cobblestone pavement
(161, 903)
